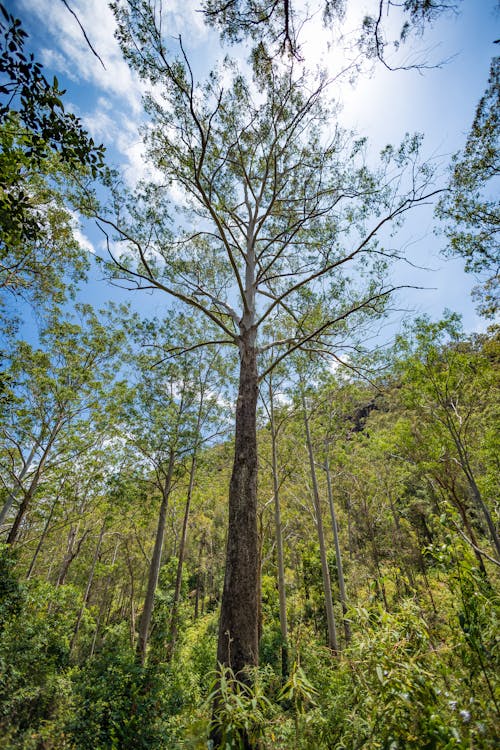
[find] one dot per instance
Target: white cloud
(99, 124)
(79, 236)
(123, 133)
(73, 55)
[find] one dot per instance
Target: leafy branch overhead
(38, 104)
(277, 24)
(470, 207)
(39, 134)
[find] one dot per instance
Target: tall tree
(448, 385)
(165, 419)
(277, 205)
(327, 589)
(54, 414)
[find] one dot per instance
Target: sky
(439, 102)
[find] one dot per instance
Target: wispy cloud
(79, 235)
(73, 56)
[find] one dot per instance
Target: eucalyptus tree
(452, 387)
(42, 262)
(318, 512)
(275, 425)
(383, 28)
(470, 206)
(208, 373)
(276, 209)
(54, 415)
(171, 410)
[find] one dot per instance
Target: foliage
(239, 708)
(117, 702)
(115, 455)
(32, 114)
(35, 689)
(277, 24)
(44, 153)
(470, 208)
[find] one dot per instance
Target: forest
(243, 518)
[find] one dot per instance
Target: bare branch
(155, 283)
(406, 205)
(66, 5)
(329, 323)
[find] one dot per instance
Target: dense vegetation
(420, 663)
(378, 551)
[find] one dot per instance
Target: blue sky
(439, 102)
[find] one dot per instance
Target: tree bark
(71, 552)
(238, 625)
(12, 496)
(473, 488)
(28, 495)
(89, 585)
(104, 600)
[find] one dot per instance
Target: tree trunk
(238, 625)
(327, 587)
(104, 600)
(89, 585)
(41, 540)
(480, 504)
(71, 552)
(238, 638)
(182, 545)
(154, 568)
(473, 488)
(28, 496)
(11, 497)
(279, 542)
(338, 555)
(198, 580)
(21, 512)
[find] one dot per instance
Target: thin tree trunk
(13, 534)
(104, 601)
(67, 556)
(327, 588)
(238, 644)
(338, 554)
(349, 529)
(182, 545)
(89, 585)
(399, 534)
(72, 552)
(41, 540)
(463, 512)
(154, 568)
(198, 580)
(480, 504)
(132, 597)
(474, 489)
(28, 496)
(279, 541)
